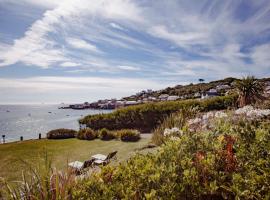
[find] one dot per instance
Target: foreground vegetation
(146, 117)
(229, 161)
(202, 155)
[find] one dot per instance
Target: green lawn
(14, 155)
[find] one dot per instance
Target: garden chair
(78, 166)
(102, 159)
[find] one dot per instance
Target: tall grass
(178, 120)
(42, 183)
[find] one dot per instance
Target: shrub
(146, 117)
(232, 162)
(128, 135)
(105, 134)
(61, 133)
(87, 134)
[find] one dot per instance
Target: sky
(83, 50)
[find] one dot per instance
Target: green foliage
(250, 90)
(87, 134)
(61, 133)
(128, 135)
(146, 117)
(230, 162)
(105, 134)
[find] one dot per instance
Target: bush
(105, 134)
(87, 134)
(61, 133)
(128, 135)
(230, 162)
(146, 117)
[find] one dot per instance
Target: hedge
(61, 133)
(146, 117)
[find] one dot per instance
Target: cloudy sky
(83, 50)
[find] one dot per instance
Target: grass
(18, 156)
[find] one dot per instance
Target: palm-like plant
(250, 90)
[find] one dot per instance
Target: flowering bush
(230, 162)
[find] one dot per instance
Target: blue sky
(84, 50)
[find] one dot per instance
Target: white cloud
(208, 38)
(260, 55)
(82, 44)
(117, 26)
(128, 68)
(69, 64)
(36, 47)
(181, 38)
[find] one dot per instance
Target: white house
(197, 95)
(223, 87)
(129, 103)
(172, 98)
(163, 97)
(210, 93)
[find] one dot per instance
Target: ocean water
(30, 120)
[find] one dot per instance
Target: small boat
(49, 112)
(29, 114)
(7, 111)
(67, 115)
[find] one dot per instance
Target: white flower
(243, 110)
(174, 138)
(220, 114)
(208, 115)
(171, 131)
(249, 111)
(194, 121)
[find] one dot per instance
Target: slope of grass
(15, 157)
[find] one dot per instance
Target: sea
(30, 120)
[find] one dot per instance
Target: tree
(201, 80)
(250, 90)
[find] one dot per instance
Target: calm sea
(30, 120)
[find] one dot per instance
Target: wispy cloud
(128, 68)
(82, 44)
(128, 38)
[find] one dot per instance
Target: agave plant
(250, 90)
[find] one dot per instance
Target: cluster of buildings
(146, 96)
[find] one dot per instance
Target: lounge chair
(102, 159)
(78, 166)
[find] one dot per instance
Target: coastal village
(148, 96)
